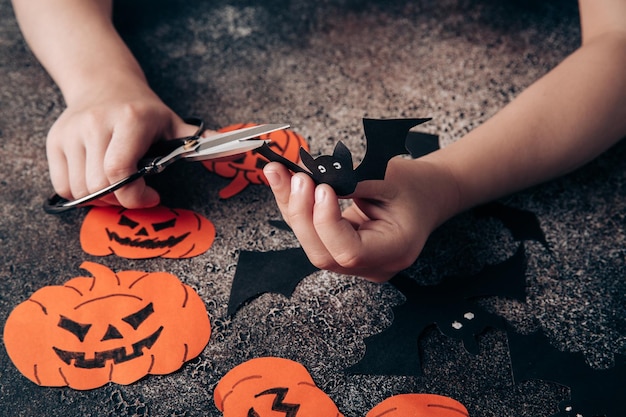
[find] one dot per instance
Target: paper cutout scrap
(272, 386)
(418, 405)
(110, 327)
(593, 392)
(385, 138)
(450, 306)
(145, 233)
(268, 272)
(248, 168)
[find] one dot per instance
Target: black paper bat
(385, 138)
(268, 272)
(593, 392)
(450, 306)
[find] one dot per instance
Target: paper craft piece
(522, 224)
(248, 168)
(268, 272)
(146, 233)
(106, 328)
(593, 392)
(419, 143)
(270, 386)
(450, 306)
(385, 139)
(418, 405)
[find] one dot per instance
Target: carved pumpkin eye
(139, 317)
(77, 329)
(321, 168)
(125, 221)
(337, 165)
(164, 225)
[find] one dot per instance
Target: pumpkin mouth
(117, 355)
(146, 243)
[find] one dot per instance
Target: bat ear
(307, 159)
(342, 153)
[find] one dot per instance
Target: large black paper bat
(593, 392)
(450, 306)
(277, 272)
(385, 138)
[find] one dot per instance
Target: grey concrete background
(322, 66)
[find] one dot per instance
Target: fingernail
(320, 194)
(296, 183)
(272, 178)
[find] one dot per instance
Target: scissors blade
(227, 149)
(237, 135)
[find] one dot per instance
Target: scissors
(164, 153)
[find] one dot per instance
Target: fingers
(348, 243)
(129, 141)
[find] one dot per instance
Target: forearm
(565, 119)
(77, 44)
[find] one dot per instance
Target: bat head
(335, 170)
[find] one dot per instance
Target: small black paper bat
(385, 138)
(450, 306)
(593, 392)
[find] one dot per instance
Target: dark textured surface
(322, 66)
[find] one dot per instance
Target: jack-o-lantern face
(108, 327)
(146, 233)
(248, 168)
(418, 405)
(272, 387)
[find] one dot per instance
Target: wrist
(438, 190)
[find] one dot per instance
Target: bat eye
(337, 165)
(321, 168)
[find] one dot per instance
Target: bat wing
(385, 138)
(522, 224)
(268, 272)
(594, 392)
(395, 350)
(419, 143)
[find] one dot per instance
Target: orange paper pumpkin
(419, 405)
(272, 387)
(108, 327)
(248, 168)
(146, 233)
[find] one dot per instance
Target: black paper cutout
(522, 224)
(385, 138)
(450, 306)
(420, 143)
(593, 392)
(268, 272)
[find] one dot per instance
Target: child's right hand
(100, 138)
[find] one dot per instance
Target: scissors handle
(57, 204)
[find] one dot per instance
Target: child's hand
(99, 139)
(381, 233)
